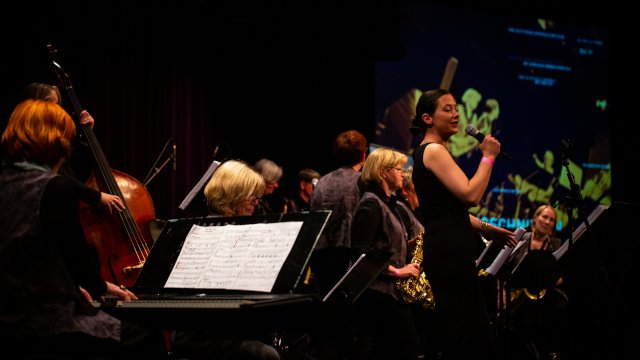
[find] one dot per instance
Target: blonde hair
(233, 182)
(539, 211)
(378, 160)
(38, 131)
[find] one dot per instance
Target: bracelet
(487, 160)
(484, 226)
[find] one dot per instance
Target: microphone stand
(577, 201)
(155, 170)
(576, 196)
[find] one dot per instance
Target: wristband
(484, 226)
(487, 160)
(397, 272)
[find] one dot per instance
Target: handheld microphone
(473, 131)
(173, 155)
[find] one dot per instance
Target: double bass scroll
(121, 244)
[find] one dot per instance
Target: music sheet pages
(233, 257)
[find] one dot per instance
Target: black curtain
(272, 80)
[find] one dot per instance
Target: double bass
(119, 239)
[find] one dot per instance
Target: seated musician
(80, 163)
(233, 190)
(539, 312)
(48, 271)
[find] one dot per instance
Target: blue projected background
(530, 82)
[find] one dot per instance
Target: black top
(381, 222)
(449, 239)
(79, 168)
(44, 258)
(297, 204)
(449, 252)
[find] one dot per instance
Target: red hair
(38, 131)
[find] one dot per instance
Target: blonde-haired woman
(539, 314)
(383, 222)
(235, 189)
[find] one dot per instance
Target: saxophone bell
(417, 290)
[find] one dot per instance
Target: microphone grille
(471, 130)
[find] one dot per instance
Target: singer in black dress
(445, 194)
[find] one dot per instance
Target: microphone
(473, 131)
(173, 155)
(314, 182)
(215, 152)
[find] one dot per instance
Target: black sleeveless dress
(449, 252)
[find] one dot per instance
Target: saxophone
(416, 290)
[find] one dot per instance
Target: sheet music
(503, 255)
(233, 257)
(577, 233)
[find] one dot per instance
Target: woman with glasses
(382, 222)
(234, 189)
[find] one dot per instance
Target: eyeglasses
(253, 200)
(395, 168)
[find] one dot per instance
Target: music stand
(538, 270)
(359, 276)
(195, 203)
(167, 248)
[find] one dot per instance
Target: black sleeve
(85, 193)
(80, 165)
(60, 218)
(365, 226)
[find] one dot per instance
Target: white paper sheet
(234, 257)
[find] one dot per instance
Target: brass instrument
(417, 290)
(528, 293)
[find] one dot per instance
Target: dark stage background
(271, 80)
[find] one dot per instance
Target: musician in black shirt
(80, 163)
(48, 272)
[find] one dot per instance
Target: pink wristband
(397, 272)
(487, 160)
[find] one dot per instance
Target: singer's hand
(490, 147)
(473, 131)
(501, 236)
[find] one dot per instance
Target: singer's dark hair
(426, 105)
